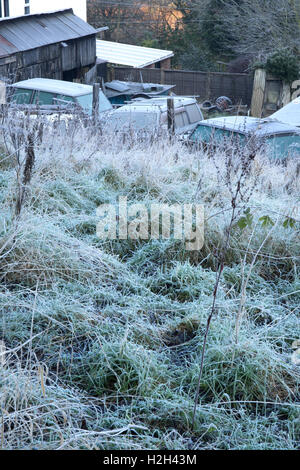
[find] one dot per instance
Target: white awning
(132, 56)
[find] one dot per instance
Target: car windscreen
(214, 135)
(135, 120)
(283, 146)
(21, 96)
(86, 102)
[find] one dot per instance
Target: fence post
(162, 76)
(258, 95)
(171, 116)
(208, 86)
(285, 94)
(295, 89)
(112, 74)
(96, 93)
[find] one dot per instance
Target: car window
(43, 97)
(64, 98)
(282, 146)
(209, 134)
(22, 96)
(185, 118)
(194, 113)
(104, 103)
(179, 120)
(86, 102)
(135, 120)
(201, 134)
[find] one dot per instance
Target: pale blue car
(45, 91)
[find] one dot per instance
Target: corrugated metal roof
(126, 54)
(6, 47)
(31, 31)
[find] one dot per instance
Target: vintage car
(278, 139)
(151, 115)
(119, 92)
(48, 92)
(290, 114)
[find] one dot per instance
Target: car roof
(118, 87)
(152, 104)
(249, 125)
(289, 114)
(55, 86)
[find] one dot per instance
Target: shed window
(27, 10)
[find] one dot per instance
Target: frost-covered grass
(103, 338)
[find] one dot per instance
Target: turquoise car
(278, 139)
(120, 93)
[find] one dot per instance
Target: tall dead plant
(235, 174)
(27, 173)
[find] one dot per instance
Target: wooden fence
(207, 85)
(271, 93)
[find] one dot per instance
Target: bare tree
(242, 27)
(261, 26)
(134, 20)
(125, 19)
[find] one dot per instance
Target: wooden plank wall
(207, 85)
(49, 61)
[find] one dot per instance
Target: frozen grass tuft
(101, 340)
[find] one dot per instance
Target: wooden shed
(56, 45)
